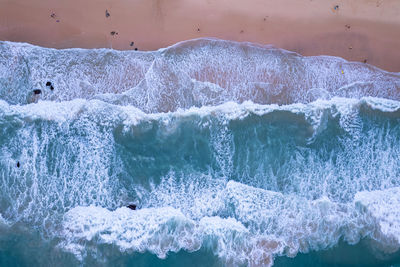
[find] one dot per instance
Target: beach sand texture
(357, 30)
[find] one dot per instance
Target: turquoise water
(235, 154)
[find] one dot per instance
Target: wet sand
(357, 30)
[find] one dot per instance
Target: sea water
(236, 154)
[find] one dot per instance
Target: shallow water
(236, 154)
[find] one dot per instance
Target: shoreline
(356, 30)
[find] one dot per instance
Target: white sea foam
(385, 105)
(70, 144)
(192, 73)
(316, 113)
(86, 161)
(3, 222)
(383, 207)
(156, 230)
(263, 224)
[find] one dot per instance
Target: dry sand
(357, 30)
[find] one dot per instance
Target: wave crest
(263, 225)
(192, 73)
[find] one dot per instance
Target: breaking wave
(244, 152)
(192, 73)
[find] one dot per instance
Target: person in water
(131, 206)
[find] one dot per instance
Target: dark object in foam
(131, 206)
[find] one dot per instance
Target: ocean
(235, 154)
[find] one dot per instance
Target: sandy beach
(357, 30)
